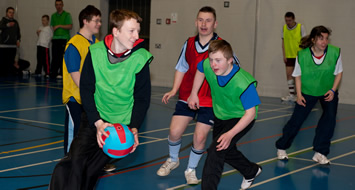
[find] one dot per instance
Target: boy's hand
(167, 96)
(136, 141)
(193, 102)
(224, 141)
(100, 130)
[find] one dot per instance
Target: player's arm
(225, 139)
(176, 85)
(181, 68)
(72, 61)
(87, 90)
(330, 94)
(193, 100)
(142, 91)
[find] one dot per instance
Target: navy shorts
(204, 114)
(290, 62)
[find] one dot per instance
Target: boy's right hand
(167, 96)
(193, 102)
(100, 130)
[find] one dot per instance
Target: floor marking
(332, 163)
(298, 170)
(275, 158)
(30, 165)
(33, 152)
(35, 108)
(32, 147)
(272, 110)
(32, 121)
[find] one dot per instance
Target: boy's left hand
(224, 141)
(136, 141)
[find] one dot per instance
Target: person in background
(44, 34)
(61, 23)
(10, 38)
(292, 32)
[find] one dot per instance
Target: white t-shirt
(338, 67)
(45, 36)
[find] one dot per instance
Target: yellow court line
(32, 147)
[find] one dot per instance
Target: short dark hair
(8, 8)
(87, 14)
(208, 9)
(117, 18)
(45, 16)
(290, 14)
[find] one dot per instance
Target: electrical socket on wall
(157, 46)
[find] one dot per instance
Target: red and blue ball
(119, 142)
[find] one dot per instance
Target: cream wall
(253, 27)
(29, 13)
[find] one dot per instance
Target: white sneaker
(109, 167)
(247, 182)
(320, 158)
(167, 167)
(290, 97)
(281, 154)
(59, 77)
(190, 175)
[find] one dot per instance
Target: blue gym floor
(31, 143)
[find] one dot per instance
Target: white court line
(32, 121)
(30, 165)
(157, 140)
(33, 152)
(298, 170)
(275, 158)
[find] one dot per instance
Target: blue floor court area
(31, 143)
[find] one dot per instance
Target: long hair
(316, 32)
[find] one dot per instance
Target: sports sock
(174, 148)
(195, 156)
(291, 86)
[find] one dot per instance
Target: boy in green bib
(235, 104)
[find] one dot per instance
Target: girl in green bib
(318, 72)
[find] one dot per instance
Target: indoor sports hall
(32, 113)
(31, 120)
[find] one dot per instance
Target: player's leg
(179, 122)
(203, 126)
